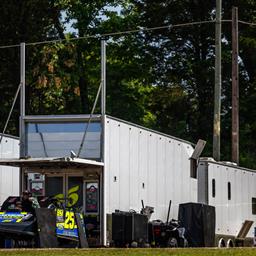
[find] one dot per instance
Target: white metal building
(9, 176)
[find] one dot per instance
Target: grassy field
(129, 252)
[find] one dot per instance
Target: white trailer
(232, 190)
(9, 176)
(141, 164)
(122, 163)
(125, 162)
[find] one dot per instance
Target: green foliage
(163, 79)
(54, 80)
(21, 21)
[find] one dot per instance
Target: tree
(22, 21)
(184, 59)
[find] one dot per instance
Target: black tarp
(199, 221)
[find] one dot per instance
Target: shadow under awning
(47, 162)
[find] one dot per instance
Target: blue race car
(46, 225)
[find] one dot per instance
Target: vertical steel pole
(22, 98)
(22, 79)
(235, 87)
(103, 148)
(103, 77)
(217, 89)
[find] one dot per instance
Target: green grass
(129, 252)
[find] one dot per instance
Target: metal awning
(48, 162)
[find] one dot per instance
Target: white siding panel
(134, 170)
(251, 178)
(152, 170)
(239, 191)
(160, 174)
(9, 176)
(230, 214)
(124, 178)
(169, 182)
(159, 162)
(143, 167)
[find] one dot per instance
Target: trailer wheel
(172, 242)
(230, 243)
(221, 243)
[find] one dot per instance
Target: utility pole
(217, 87)
(235, 88)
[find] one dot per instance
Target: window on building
(229, 191)
(213, 188)
(254, 206)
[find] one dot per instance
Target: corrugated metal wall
(142, 164)
(230, 214)
(9, 176)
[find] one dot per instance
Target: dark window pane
(53, 186)
(254, 206)
(213, 188)
(229, 191)
(75, 191)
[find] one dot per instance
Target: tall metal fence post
(103, 77)
(22, 98)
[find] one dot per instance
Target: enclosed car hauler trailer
(9, 176)
(141, 164)
(120, 164)
(232, 190)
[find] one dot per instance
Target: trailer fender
(230, 243)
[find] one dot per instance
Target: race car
(48, 224)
